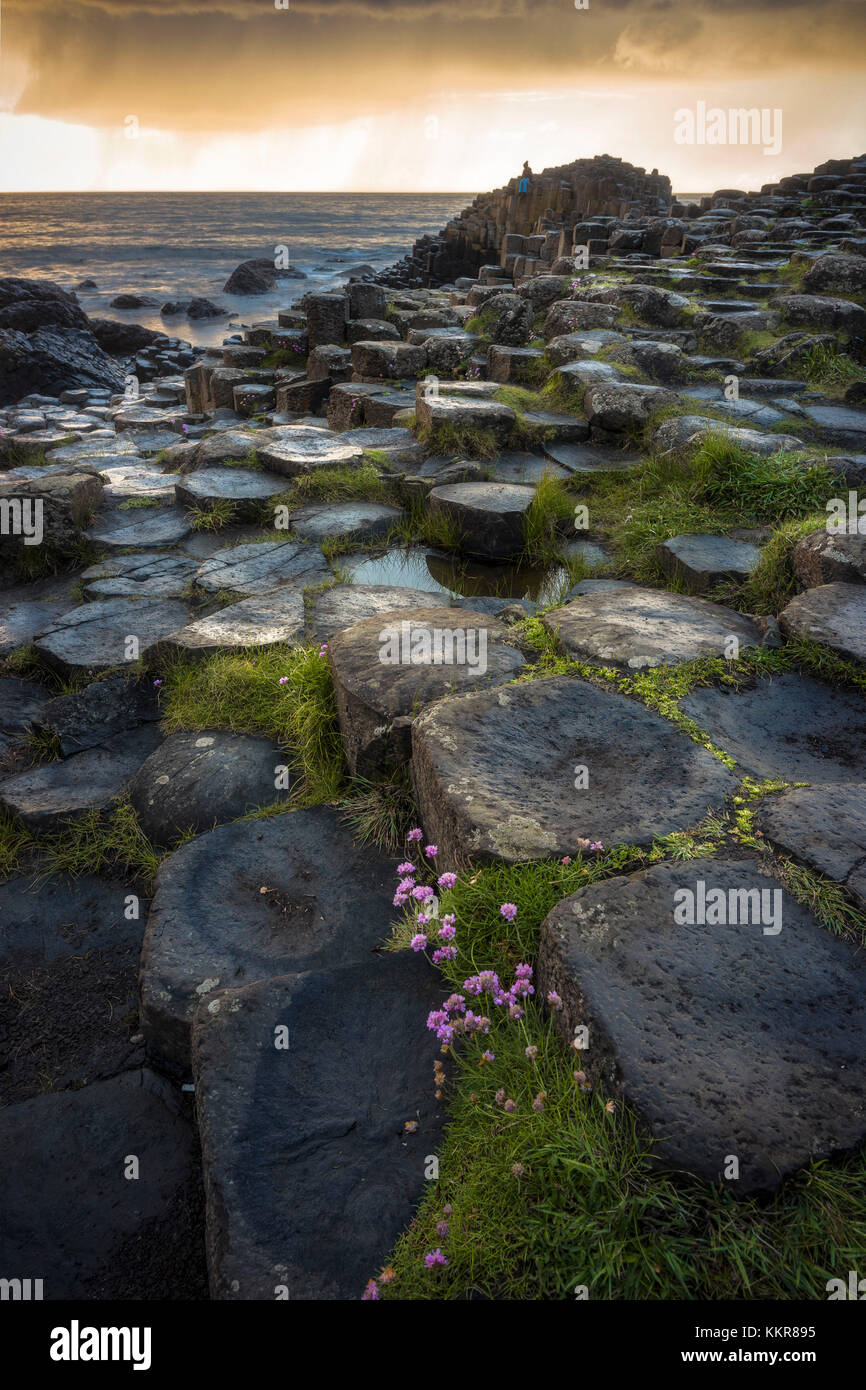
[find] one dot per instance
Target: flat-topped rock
(639, 627)
(684, 432)
(513, 468)
(832, 614)
(698, 1025)
(44, 796)
(276, 616)
(823, 826)
(211, 925)
(259, 566)
(479, 762)
(792, 727)
(97, 636)
(247, 488)
(343, 605)
(386, 670)
(90, 717)
(465, 413)
(30, 608)
(76, 1222)
(66, 948)
(625, 406)
(139, 576)
(157, 526)
(593, 458)
(334, 1103)
(196, 780)
(700, 561)
(296, 449)
(360, 521)
(490, 516)
(20, 704)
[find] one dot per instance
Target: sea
(176, 246)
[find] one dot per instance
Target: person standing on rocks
(526, 175)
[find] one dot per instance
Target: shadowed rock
(699, 1028)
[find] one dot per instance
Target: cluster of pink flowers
(434, 1259)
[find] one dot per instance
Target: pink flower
(509, 911)
(510, 1106)
(488, 1056)
(431, 851)
(414, 834)
(538, 1103)
(407, 868)
(444, 953)
(441, 1228)
(554, 1000)
(419, 942)
(446, 933)
(371, 1292)
(435, 1257)
(447, 880)
(284, 680)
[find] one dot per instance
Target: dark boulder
(29, 304)
(51, 360)
(118, 339)
(258, 276)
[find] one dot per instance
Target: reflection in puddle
(419, 568)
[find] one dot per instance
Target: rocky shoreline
(660, 407)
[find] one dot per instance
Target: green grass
(831, 371)
(548, 520)
(135, 503)
(714, 488)
(241, 691)
(381, 813)
(112, 842)
(589, 1208)
(458, 441)
(214, 516)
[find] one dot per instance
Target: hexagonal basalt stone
(832, 614)
(251, 901)
(703, 560)
(791, 727)
(97, 635)
(90, 781)
(388, 667)
(298, 449)
(361, 521)
(79, 1224)
(640, 627)
(276, 616)
(497, 772)
(333, 1105)
(259, 566)
(344, 605)
(463, 412)
(196, 780)
(824, 827)
(694, 996)
(157, 526)
(139, 576)
(490, 516)
(245, 488)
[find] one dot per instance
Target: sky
(419, 95)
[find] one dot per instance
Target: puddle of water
(418, 568)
